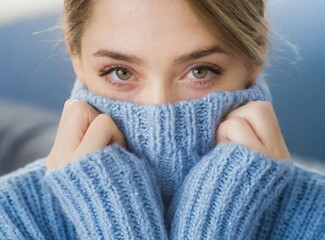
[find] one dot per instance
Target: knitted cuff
(299, 213)
(28, 209)
(224, 195)
(110, 194)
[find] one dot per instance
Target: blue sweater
(173, 182)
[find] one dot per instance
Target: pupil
(200, 72)
(123, 75)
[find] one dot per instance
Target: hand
(255, 126)
(82, 129)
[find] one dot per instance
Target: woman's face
(155, 52)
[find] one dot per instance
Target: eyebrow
(199, 53)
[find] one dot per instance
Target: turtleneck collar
(172, 137)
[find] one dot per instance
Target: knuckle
(73, 104)
(104, 121)
(237, 123)
(103, 118)
(233, 123)
(68, 101)
(76, 107)
(77, 104)
(261, 107)
(222, 129)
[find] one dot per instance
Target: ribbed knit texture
(172, 182)
(111, 199)
(222, 195)
(172, 137)
(109, 194)
(234, 193)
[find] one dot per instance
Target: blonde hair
(76, 16)
(239, 24)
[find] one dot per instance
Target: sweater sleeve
(28, 208)
(110, 194)
(235, 193)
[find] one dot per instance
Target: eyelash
(108, 70)
(103, 72)
(216, 70)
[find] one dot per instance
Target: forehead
(147, 23)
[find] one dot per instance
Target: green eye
(200, 72)
(123, 74)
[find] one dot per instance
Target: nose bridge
(159, 92)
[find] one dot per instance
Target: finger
(101, 132)
(262, 119)
(76, 117)
(237, 130)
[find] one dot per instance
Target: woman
(168, 134)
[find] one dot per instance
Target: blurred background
(35, 71)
